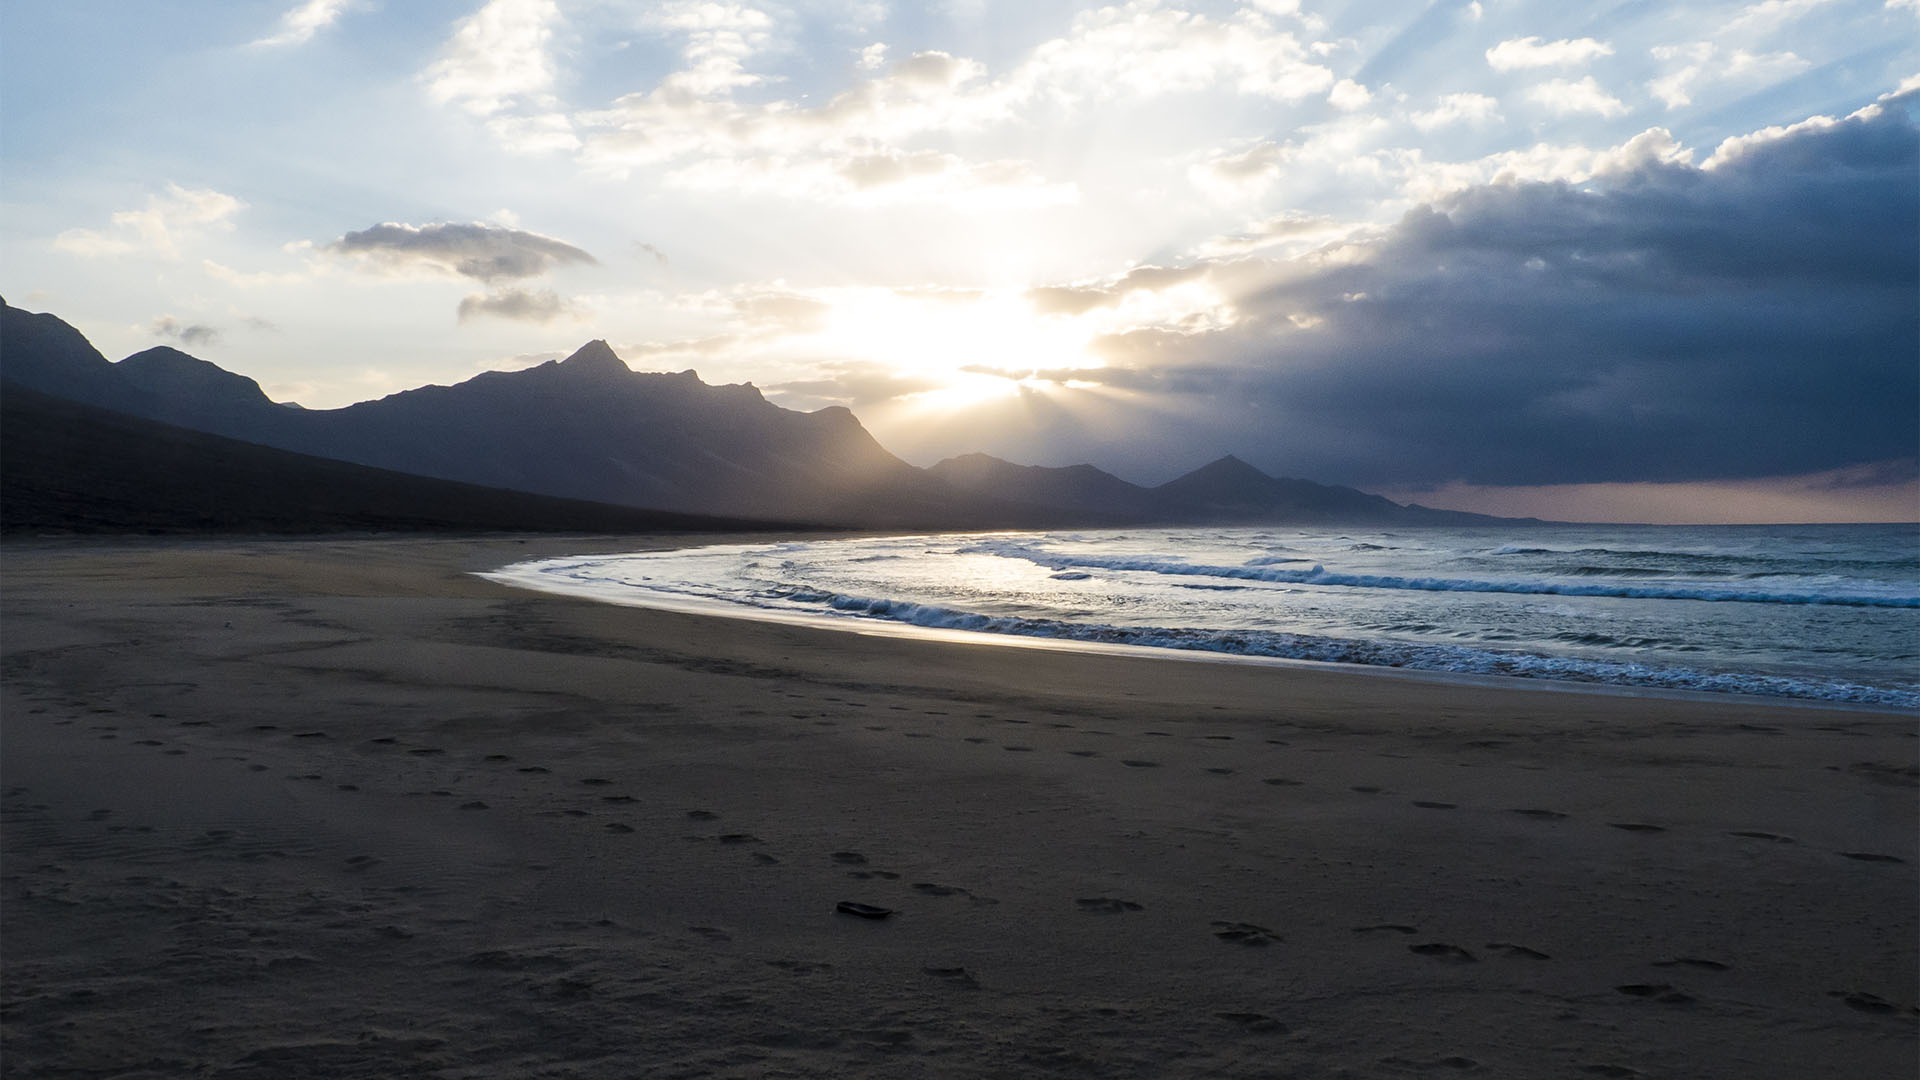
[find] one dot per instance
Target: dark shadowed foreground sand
(287, 809)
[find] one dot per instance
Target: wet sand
(339, 808)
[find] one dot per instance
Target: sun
(956, 347)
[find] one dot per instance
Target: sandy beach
(340, 808)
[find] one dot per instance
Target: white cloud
(1240, 173)
(1768, 16)
(298, 25)
(1703, 63)
(168, 218)
(1531, 52)
(1348, 95)
(1585, 96)
(496, 55)
(721, 37)
(1427, 182)
(1137, 51)
(1457, 109)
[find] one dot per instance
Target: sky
(1633, 261)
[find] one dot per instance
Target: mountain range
(591, 430)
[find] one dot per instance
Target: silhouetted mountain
(66, 467)
(1074, 487)
(585, 427)
(1227, 491)
(590, 428)
(1230, 490)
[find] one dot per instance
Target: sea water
(1829, 612)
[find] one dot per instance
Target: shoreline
(313, 808)
(878, 627)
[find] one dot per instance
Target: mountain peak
(1229, 467)
(596, 357)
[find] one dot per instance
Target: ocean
(1819, 612)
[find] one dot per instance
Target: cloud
(1068, 300)
(1703, 63)
(1586, 96)
(521, 305)
(1768, 16)
(1287, 228)
(1531, 52)
(1658, 322)
(168, 219)
(859, 145)
(487, 253)
(1348, 95)
(496, 56)
(190, 334)
(1245, 171)
(1457, 109)
(299, 24)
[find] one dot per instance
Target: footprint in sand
(1519, 951)
(1221, 771)
(862, 911)
(425, 751)
(928, 888)
(1084, 753)
(849, 858)
(1106, 905)
(702, 815)
(1136, 763)
(1637, 826)
(1541, 815)
(1018, 749)
(618, 799)
(497, 757)
(1426, 805)
(1253, 1021)
(1240, 933)
(149, 742)
(1871, 1003)
(1440, 950)
(361, 862)
(384, 740)
(617, 827)
(534, 769)
(1753, 834)
(1692, 962)
(711, 933)
(595, 781)
(1869, 856)
(311, 735)
(1660, 992)
(474, 805)
(346, 787)
(176, 752)
(1368, 789)
(957, 976)
(1281, 781)
(738, 838)
(1388, 928)
(975, 739)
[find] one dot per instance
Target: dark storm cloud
(540, 306)
(1759, 317)
(486, 253)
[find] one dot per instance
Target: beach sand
(339, 808)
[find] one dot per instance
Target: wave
(1320, 575)
(1439, 658)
